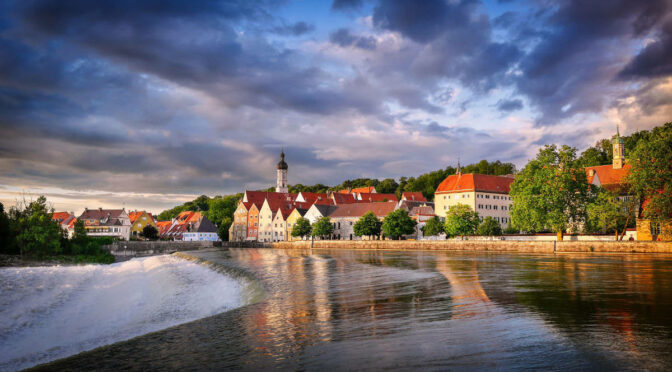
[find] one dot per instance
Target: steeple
(618, 147)
(459, 169)
(281, 180)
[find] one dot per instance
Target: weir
(124, 250)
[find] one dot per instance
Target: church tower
(618, 146)
(281, 182)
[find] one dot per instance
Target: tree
(323, 228)
(398, 223)
(367, 225)
(223, 228)
(551, 192)
(432, 227)
(39, 235)
(387, 186)
(607, 213)
(510, 229)
(301, 228)
(600, 154)
(461, 220)
(150, 232)
(489, 227)
(650, 177)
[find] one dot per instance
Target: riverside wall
(485, 245)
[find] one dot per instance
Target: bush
(489, 227)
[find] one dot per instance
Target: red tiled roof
(187, 216)
(366, 189)
(372, 198)
(257, 197)
(475, 182)
(609, 177)
(343, 198)
(314, 197)
(414, 196)
(359, 209)
(134, 215)
(60, 216)
(97, 214)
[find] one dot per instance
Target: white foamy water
(47, 313)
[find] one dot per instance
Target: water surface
(372, 310)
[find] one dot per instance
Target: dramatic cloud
(147, 103)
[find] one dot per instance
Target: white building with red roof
(487, 195)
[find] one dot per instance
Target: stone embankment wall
(126, 250)
(485, 245)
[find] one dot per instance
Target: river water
(373, 310)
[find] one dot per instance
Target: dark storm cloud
(654, 60)
(508, 105)
(346, 4)
(296, 29)
(579, 51)
(344, 38)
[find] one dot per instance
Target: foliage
(223, 229)
(318, 188)
(301, 228)
(367, 225)
(39, 235)
(216, 209)
(323, 228)
(600, 154)
(650, 178)
(398, 223)
(489, 227)
(461, 220)
(510, 230)
(550, 192)
(607, 214)
(432, 227)
(387, 186)
(150, 232)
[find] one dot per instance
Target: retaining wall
(485, 245)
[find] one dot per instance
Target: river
(373, 310)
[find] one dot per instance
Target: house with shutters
(290, 222)
(107, 222)
(343, 217)
(140, 219)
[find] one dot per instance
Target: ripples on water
(368, 310)
(48, 313)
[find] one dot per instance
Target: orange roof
(163, 226)
(60, 216)
(369, 197)
(475, 182)
(608, 177)
(187, 216)
(414, 196)
(359, 209)
(367, 189)
(135, 214)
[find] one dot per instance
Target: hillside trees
(550, 192)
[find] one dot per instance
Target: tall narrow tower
(281, 182)
(618, 146)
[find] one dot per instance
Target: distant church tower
(619, 150)
(281, 183)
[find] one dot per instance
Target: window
(495, 207)
(655, 228)
(487, 196)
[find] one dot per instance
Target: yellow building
(140, 219)
(291, 221)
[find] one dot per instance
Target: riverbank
(487, 245)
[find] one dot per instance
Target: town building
(487, 195)
(66, 220)
(200, 230)
(238, 228)
(317, 211)
(413, 196)
(366, 197)
(291, 222)
(107, 222)
(140, 219)
(343, 217)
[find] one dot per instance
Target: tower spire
(459, 169)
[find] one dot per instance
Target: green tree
(461, 220)
(323, 228)
(387, 186)
(223, 228)
(550, 192)
(433, 227)
(367, 225)
(221, 207)
(398, 223)
(301, 228)
(489, 227)
(150, 232)
(39, 236)
(607, 213)
(510, 229)
(600, 154)
(650, 177)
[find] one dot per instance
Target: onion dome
(282, 164)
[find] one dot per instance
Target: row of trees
(27, 229)
(461, 221)
(394, 225)
(552, 192)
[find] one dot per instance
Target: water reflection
(429, 310)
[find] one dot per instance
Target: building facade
(107, 222)
(140, 219)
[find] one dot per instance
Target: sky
(147, 104)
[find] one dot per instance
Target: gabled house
(200, 230)
(290, 222)
(140, 219)
(253, 222)
(317, 211)
(413, 196)
(314, 197)
(107, 222)
(238, 229)
(343, 217)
